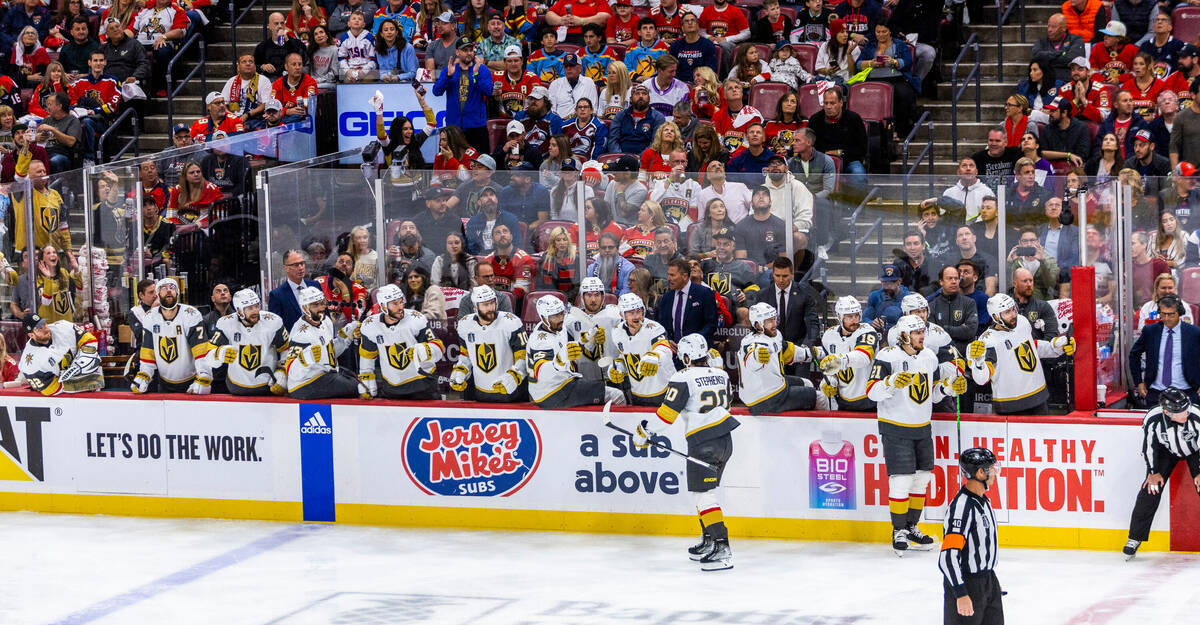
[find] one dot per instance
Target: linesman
(969, 549)
(1170, 433)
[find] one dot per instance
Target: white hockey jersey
(175, 348)
(493, 353)
(303, 366)
(851, 380)
(905, 413)
(701, 396)
(678, 200)
(1012, 363)
(935, 337)
(547, 362)
(652, 337)
(582, 327)
(260, 348)
(43, 364)
(409, 347)
(356, 52)
(758, 382)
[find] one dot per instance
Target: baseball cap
(776, 157)
(1185, 169)
(272, 105)
(637, 86)
(1143, 135)
(32, 321)
(495, 15)
(446, 17)
(1060, 103)
(1188, 50)
(463, 43)
(1080, 61)
(523, 166)
(487, 161)
(627, 3)
(626, 162)
(1113, 29)
(889, 273)
(178, 128)
(514, 127)
(212, 97)
(540, 93)
(438, 190)
(724, 233)
(220, 134)
(570, 165)
(512, 52)
(570, 59)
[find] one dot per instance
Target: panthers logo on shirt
(1026, 357)
(918, 391)
(399, 355)
(168, 348)
(485, 357)
(250, 357)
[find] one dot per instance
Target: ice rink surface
(107, 570)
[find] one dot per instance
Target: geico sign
(362, 123)
(31, 463)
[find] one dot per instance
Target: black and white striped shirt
(1182, 440)
(969, 545)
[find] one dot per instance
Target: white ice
(104, 570)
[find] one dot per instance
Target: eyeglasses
(298, 263)
(1010, 104)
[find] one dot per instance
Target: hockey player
(173, 346)
(643, 353)
(1170, 433)
(906, 381)
(700, 394)
(60, 357)
(762, 386)
(492, 358)
(592, 324)
(551, 356)
(254, 344)
(312, 366)
(411, 351)
(936, 338)
(1007, 355)
(970, 548)
(851, 348)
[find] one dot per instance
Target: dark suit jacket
(802, 323)
(283, 303)
(699, 313)
(1148, 344)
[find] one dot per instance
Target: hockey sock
(714, 523)
(899, 510)
(916, 504)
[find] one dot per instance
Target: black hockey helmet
(1174, 401)
(975, 458)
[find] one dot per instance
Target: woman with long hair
(890, 61)
(564, 197)
(304, 16)
(397, 60)
(558, 149)
(8, 120)
(365, 259)
(54, 79)
(16, 162)
(193, 199)
(639, 238)
(455, 267)
(454, 157)
(667, 139)
(10, 372)
(706, 148)
(1038, 89)
(402, 145)
(1105, 164)
(558, 270)
(55, 286)
(122, 11)
(1016, 120)
(472, 22)
(1170, 242)
(788, 119)
(1031, 148)
(323, 57)
(748, 66)
(29, 63)
(706, 92)
(614, 97)
(422, 28)
(640, 284)
(835, 58)
(598, 218)
(1143, 85)
(423, 296)
(716, 218)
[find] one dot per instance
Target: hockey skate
(699, 550)
(918, 540)
(900, 542)
(719, 559)
(1131, 548)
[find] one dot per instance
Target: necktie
(678, 315)
(1168, 357)
(782, 308)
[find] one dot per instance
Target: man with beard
(491, 362)
(60, 357)
(254, 344)
(466, 197)
(592, 322)
(478, 227)
(625, 194)
(437, 221)
(850, 346)
(883, 304)
(551, 355)
(969, 273)
(410, 351)
(610, 267)
(513, 266)
(346, 297)
(540, 122)
(761, 232)
(411, 251)
(312, 367)
(643, 352)
(1180, 81)
(514, 83)
(1065, 137)
(467, 83)
(986, 265)
(632, 130)
(524, 197)
(1008, 356)
(1039, 313)
(1086, 91)
(730, 276)
(762, 385)
(173, 346)
(1042, 269)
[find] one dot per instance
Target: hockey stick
(957, 407)
(604, 362)
(604, 414)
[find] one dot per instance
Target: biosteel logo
(471, 457)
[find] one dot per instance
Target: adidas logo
(315, 425)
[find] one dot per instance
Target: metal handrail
(1001, 20)
(854, 233)
(234, 21)
(128, 113)
(956, 91)
(173, 89)
(926, 154)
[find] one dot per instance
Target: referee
(1170, 433)
(968, 556)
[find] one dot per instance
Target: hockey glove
(616, 376)
(458, 379)
(764, 354)
(899, 380)
(828, 389)
(641, 435)
(574, 351)
(1065, 343)
(202, 386)
(833, 363)
(714, 357)
(958, 385)
(313, 352)
(648, 366)
(351, 331)
(367, 383)
(279, 382)
(226, 354)
(806, 353)
(599, 337)
(975, 351)
(141, 383)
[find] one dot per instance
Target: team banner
(356, 118)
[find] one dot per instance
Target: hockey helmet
(908, 324)
(387, 294)
(309, 295)
(548, 306)
(630, 302)
(1174, 401)
(693, 348)
(166, 282)
(847, 305)
(974, 459)
(912, 302)
(591, 284)
(761, 312)
(245, 298)
(999, 303)
(481, 294)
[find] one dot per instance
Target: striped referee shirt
(970, 545)
(1182, 440)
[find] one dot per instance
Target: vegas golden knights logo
(250, 357)
(918, 391)
(719, 281)
(1026, 358)
(846, 375)
(633, 366)
(50, 218)
(485, 357)
(63, 303)
(168, 348)
(400, 358)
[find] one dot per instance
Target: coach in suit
(283, 300)
(1164, 345)
(795, 302)
(687, 307)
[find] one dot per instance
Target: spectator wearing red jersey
(97, 93)
(598, 216)
(153, 186)
(725, 25)
(573, 14)
(782, 130)
(193, 199)
(15, 163)
(161, 28)
(27, 59)
(54, 80)
(1180, 81)
(1123, 123)
(1115, 55)
(294, 88)
(513, 266)
(511, 86)
(638, 240)
(1143, 85)
(217, 119)
(734, 117)
(1086, 91)
(621, 28)
(304, 16)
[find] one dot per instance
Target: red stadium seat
(611, 157)
(569, 47)
(542, 237)
(496, 134)
(764, 50)
(765, 96)
(1187, 23)
(611, 298)
(790, 12)
(529, 312)
(1189, 284)
(872, 100)
(810, 102)
(807, 55)
(746, 12)
(1112, 92)
(837, 166)
(619, 50)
